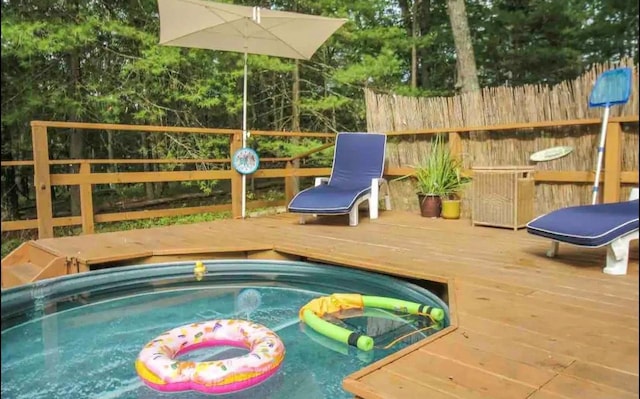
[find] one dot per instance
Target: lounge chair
(356, 176)
(593, 226)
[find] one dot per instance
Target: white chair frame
(617, 251)
(378, 186)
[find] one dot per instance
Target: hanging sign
(551, 153)
(245, 161)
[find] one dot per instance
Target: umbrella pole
(244, 103)
(244, 133)
(603, 137)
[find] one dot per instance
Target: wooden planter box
(502, 196)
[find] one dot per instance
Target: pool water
(78, 336)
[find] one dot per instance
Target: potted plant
(455, 181)
(440, 181)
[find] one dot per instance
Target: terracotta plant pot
(430, 205)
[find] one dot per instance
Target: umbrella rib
(200, 30)
(284, 41)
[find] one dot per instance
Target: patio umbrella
(248, 30)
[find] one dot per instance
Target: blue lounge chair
(593, 226)
(356, 176)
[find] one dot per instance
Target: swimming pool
(78, 336)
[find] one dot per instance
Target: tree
(529, 41)
(608, 29)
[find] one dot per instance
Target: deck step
(30, 262)
(20, 273)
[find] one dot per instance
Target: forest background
(99, 61)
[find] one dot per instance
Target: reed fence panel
(501, 106)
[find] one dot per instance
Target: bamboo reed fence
(503, 106)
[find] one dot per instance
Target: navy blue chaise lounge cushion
(358, 158)
(328, 199)
(588, 225)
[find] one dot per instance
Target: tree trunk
(295, 117)
(423, 53)
(415, 33)
(9, 180)
(76, 144)
(467, 80)
(158, 187)
(146, 154)
(113, 168)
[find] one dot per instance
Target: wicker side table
(502, 196)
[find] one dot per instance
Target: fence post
(236, 180)
(42, 179)
(612, 163)
(86, 199)
(289, 183)
(455, 144)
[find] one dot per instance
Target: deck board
(134, 244)
(526, 326)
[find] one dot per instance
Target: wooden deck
(524, 326)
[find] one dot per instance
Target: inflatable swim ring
(311, 314)
(158, 368)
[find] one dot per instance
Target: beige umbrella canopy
(229, 27)
(248, 30)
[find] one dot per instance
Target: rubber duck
(199, 270)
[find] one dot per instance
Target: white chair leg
(373, 209)
(353, 216)
(618, 255)
(387, 194)
(553, 251)
(302, 219)
(373, 200)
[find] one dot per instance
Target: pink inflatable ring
(158, 368)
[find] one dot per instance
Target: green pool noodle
(364, 342)
(400, 305)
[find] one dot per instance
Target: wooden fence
(614, 176)
(44, 180)
(559, 183)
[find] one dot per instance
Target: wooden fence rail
(612, 176)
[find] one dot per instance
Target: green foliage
(283, 149)
(9, 244)
(527, 42)
(159, 222)
(608, 29)
(143, 223)
(376, 71)
(125, 76)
